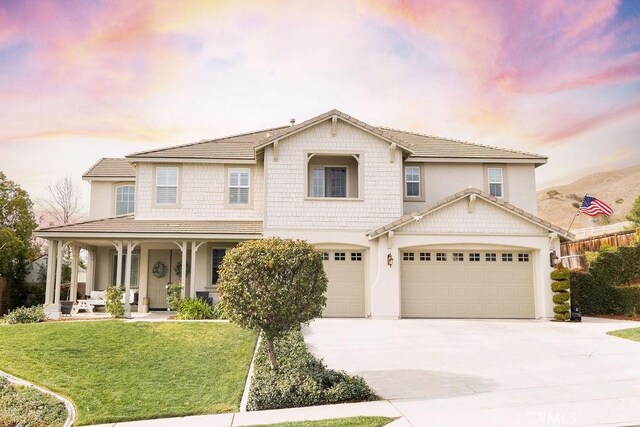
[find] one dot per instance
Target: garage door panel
(345, 287)
(467, 288)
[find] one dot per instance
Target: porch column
(127, 281)
(73, 291)
(194, 249)
(118, 246)
(183, 275)
(56, 296)
(51, 262)
(91, 271)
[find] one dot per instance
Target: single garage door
(345, 290)
(467, 284)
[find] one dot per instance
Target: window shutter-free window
(239, 186)
(335, 182)
(412, 181)
(135, 267)
(125, 199)
(496, 183)
(166, 185)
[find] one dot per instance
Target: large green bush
(194, 309)
(33, 314)
(616, 268)
(596, 297)
(28, 407)
(301, 380)
(272, 286)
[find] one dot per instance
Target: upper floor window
(125, 199)
(239, 182)
(333, 175)
(412, 181)
(496, 182)
(166, 185)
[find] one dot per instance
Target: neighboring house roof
(428, 146)
(243, 147)
(110, 168)
(127, 226)
(403, 220)
(240, 147)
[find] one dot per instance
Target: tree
(272, 286)
(17, 247)
(634, 215)
(63, 205)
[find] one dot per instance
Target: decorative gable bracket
(392, 152)
(276, 150)
(334, 125)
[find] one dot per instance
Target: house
(409, 225)
(34, 267)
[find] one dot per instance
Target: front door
(157, 286)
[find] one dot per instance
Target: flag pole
(577, 213)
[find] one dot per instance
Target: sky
(80, 80)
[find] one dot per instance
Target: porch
(141, 256)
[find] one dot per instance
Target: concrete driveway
(490, 372)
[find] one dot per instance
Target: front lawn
(118, 371)
(630, 334)
(336, 422)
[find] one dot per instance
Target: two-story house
(409, 225)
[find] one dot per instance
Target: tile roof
(110, 168)
(433, 146)
(230, 147)
(126, 224)
(458, 196)
(419, 146)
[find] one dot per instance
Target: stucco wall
(287, 206)
(441, 180)
(201, 193)
(102, 202)
(485, 218)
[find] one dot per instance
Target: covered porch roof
(127, 227)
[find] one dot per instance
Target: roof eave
(244, 160)
(437, 159)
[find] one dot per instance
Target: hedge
(596, 297)
(301, 380)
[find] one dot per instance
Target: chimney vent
(292, 121)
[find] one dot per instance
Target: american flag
(594, 207)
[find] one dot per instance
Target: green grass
(630, 334)
(117, 371)
(337, 422)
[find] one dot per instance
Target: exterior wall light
(389, 260)
(553, 258)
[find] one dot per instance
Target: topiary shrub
(114, 304)
(174, 296)
(194, 309)
(272, 285)
(560, 287)
(26, 315)
(301, 380)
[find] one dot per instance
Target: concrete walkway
(490, 372)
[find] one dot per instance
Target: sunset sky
(86, 79)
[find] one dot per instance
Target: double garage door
(467, 283)
(345, 291)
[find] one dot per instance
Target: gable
(484, 218)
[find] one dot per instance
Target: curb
(71, 410)
(247, 385)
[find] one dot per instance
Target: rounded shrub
(194, 309)
(561, 308)
(560, 274)
(559, 286)
(561, 298)
(33, 314)
(562, 317)
(114, 304)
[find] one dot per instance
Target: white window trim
(115, 198)
(405, 182)
(227, 186)
(503, 187)
(358, 155)
(177, 186)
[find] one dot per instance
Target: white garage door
(467, 284)
(345, 290)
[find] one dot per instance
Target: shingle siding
(286, 205)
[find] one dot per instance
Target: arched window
(125, 199)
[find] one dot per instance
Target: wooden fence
(574, 251)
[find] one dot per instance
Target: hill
(618, 188)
